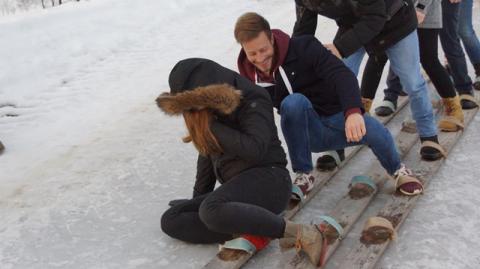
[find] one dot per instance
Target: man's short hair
(249, 26)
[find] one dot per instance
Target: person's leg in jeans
(404, 59)
(249, 203)
(306, 132)
(454, 52)
(353, 61)
(469, 38)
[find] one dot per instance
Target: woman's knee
(168, 223)
(210, 215)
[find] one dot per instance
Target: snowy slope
(91, 163)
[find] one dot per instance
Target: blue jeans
(306, 132)
(450, 40)
(404, 59)
(466, 32)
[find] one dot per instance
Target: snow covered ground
(90, 162)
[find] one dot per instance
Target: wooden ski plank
(398, 207)
(348, 210)
(321, 178)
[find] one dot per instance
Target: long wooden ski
(397, 208)
(351, 206)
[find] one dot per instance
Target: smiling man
(317, 97)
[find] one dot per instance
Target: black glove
(177, 202)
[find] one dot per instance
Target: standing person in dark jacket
(377, 27)
(430, 23)
(230, 122)
(317, 97)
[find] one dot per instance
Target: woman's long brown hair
(198, 126)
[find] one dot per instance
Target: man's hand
(333, 50)
(420, 17)
(355, 127)
(455, 1)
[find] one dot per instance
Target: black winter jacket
(312, 71)
(373, 24)
(247, 133)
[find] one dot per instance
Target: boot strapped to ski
(436, 146)
(402, 180)
(297, 193)
(452, 120)
(389, 104)
(334, 155)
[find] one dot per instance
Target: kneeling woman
(230, 121)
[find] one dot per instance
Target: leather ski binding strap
(332, 222)
(239, 243)
(378, 230)
(334, 155)
(468, 97)
(363, 180)
(402, 180)
(298, 192)
(435, 146)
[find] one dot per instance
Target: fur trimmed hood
(197, 83)
(219, 97)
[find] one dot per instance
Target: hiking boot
(331, 160)
(386, 108)
(431, 151)
(453, 120)
(307, 238)
(406, 182)
(367, 104)
(467, 100)
(305, 181)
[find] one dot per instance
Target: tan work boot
(453, 119)
(307, 238)
(367, 104)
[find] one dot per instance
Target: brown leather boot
(367, 104)
(310, 240)
(453, 119)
